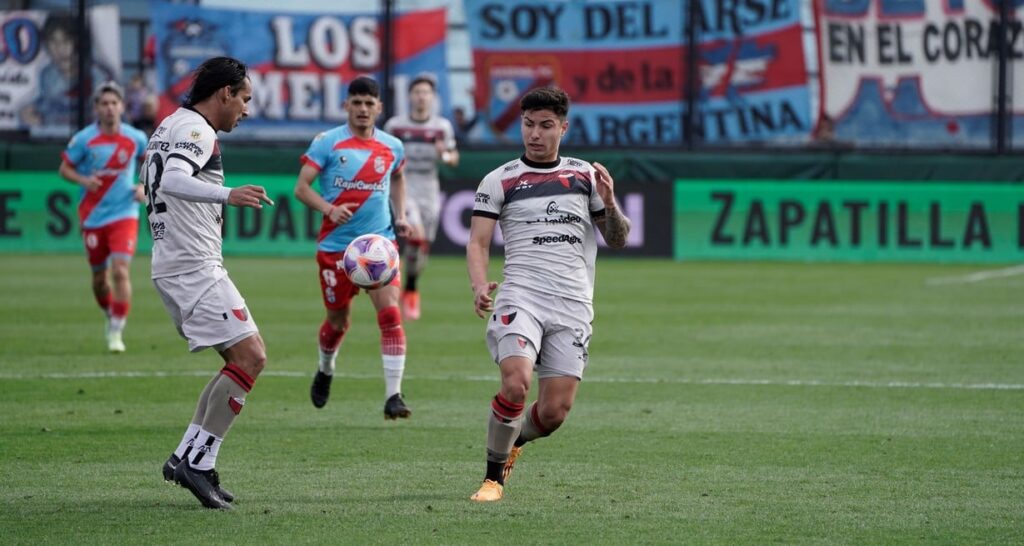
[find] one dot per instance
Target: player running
(428, 138)
(101, 159)
(548, 206)
(184, 178)
(361, 178)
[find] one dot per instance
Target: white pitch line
(494, 378)
(977, 276)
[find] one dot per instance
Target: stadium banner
(849, 221)
(300, 64)
(38, 213)
(898, 73)
(623, 63)
(39, 67)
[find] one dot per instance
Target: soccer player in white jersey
(428, 138)
(548, 206)
(184, 179)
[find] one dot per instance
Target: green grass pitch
(725, 403)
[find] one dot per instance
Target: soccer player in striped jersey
(360, 169)
(428, 139)
(184, 178)
(548, 206)
(101, 159)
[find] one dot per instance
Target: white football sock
(204, 451)
(117, 324)
(327, 361)
(394, 367)
(186, 440)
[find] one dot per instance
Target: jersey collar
(202, 116)
(541, 165)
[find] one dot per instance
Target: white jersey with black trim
(186, 234)
(546, 212)
(421, 150)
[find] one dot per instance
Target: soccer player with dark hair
(184, 178)
(428, 138)
(101, 159)
(361, 175)
(548, 206)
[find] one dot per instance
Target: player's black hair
(546, 98)
(364, 85)
(59, 22)
(214, 74)
(423, 78)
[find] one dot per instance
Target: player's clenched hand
(605, 184)
(339, 214)
(402, 228)
(249, 196)
(482, 301)
(92, 183)
(140, 193)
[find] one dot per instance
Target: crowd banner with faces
(300, 64)
(39, 83)
(624, 64)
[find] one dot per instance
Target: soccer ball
(371, 261)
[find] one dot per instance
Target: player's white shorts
(424, 211)
(206, 308)
(553, 332)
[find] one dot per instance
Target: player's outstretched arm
(614, 225)
(249, 196)
(478, 251)
(177, 182)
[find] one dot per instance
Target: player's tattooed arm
(614, 225)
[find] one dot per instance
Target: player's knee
(253, 358)
(389, 318)
(339, 322)
(552, 415)
(120, 273)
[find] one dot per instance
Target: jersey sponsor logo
(507, 319)
(189, 147)
(520, 185)
(512, 166)
(483, 198)
(574, 163)
(564, 218)
(236, 404)
(241, 314)
(556, 239)
(361, 185)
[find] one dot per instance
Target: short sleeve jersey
(546, 212)
(186, 234)
(357, 172)
(421, 153)
(112, 159)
